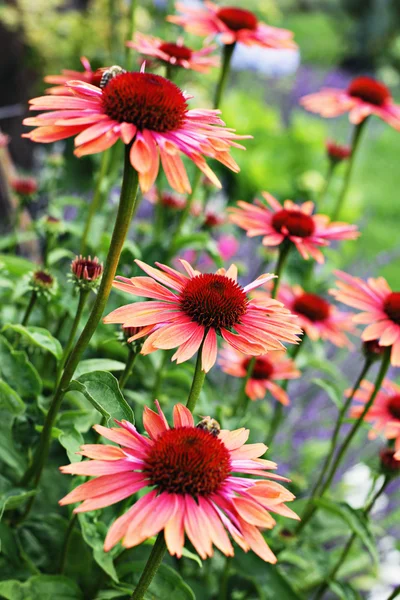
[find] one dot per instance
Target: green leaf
(8, 452)
(40, 337)
(10, 400)
(355, 519)
(98, 364)
(58, 254)
(344, 591)
(18, 372)
(41, 587)
(16, 265)
(102, 390)
(71, 440)
(196, 241)
(14, 498)
(333, 391)
(94, 533)
(167, 583)
(8, 241)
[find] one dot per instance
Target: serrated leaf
(333, 391)
(98, 364)
(10, 400)
(94, 533)
(17, 371)
(355, 519)
(102, 390)
(41, 587)
(38, 336)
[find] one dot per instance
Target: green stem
(169, 71)
(95, 203)
(243, 399)
(223, 592)
(67, 542)
(328, 179)
(132, 356)
(151, 568)
(356, 426)
(283, 254)
(395, 593)
(197, 383)
(278, 408)
(332, 574)
(131, 33)
(121, 227)
(29, 308)
(83, 295)
(227, 54)
(354, 146)
(331, 452)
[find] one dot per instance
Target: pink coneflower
(384, 413)
(24, 186)
(192, 489)
(293, 222)
(201, 306)
(363, 97)
(231, 24)
(318, 317)
(337, 152)
(380, 309)
(86, 269)
(145, 111)
(267, 370)
(175, 54)
(88, 75)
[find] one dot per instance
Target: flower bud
(389, 464)
(372, 350)
(86, 271)
(42, 282)
(24, 186)
(336, 152)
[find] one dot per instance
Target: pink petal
(209, 352)
(182, 416)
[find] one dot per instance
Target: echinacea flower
(293, 222)
(337, 152)
(24, 186)
(384, 413)
(88, 76)
(200, 307)
(319, 318)
(192, 489)
(86, 270)
(363, 97)
(148, 113)
(231, 25)
(268, 369)
(380, 309)
(175, 54)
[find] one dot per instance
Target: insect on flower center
(175, 51)
(237, 18)
(146, 100)
(312, 306)
(214, 301)
(392, 307)
(296, 222)
(263, 368)
(369, 90)
(394, 406)
(188, 460)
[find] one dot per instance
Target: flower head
(41, 282)
(175, 54)
(293, 222)
(380, 309)
(390, 465)
(88, 76)
(86, 271)
(337, 152)
(24, 186)
(200, 307)
(384, 413)
(145, 111)
(363, 97)
(231, 25)
(205, 503)
(318, 317)
(268, 369)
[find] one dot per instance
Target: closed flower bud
(86, 271)
(337, 152)
(389, 464)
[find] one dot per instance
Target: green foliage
(39, 337)
(41, 587)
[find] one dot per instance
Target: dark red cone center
(312, 306)
(43, 277)
(237, 18)
(188, 460)
(394, 406)
(263, 368)
(175, 51)
(369, 90)
(296, 222)
(146, 100)
(392, 307)
(214, 301)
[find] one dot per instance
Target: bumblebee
(210, 425)
(109, 74)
